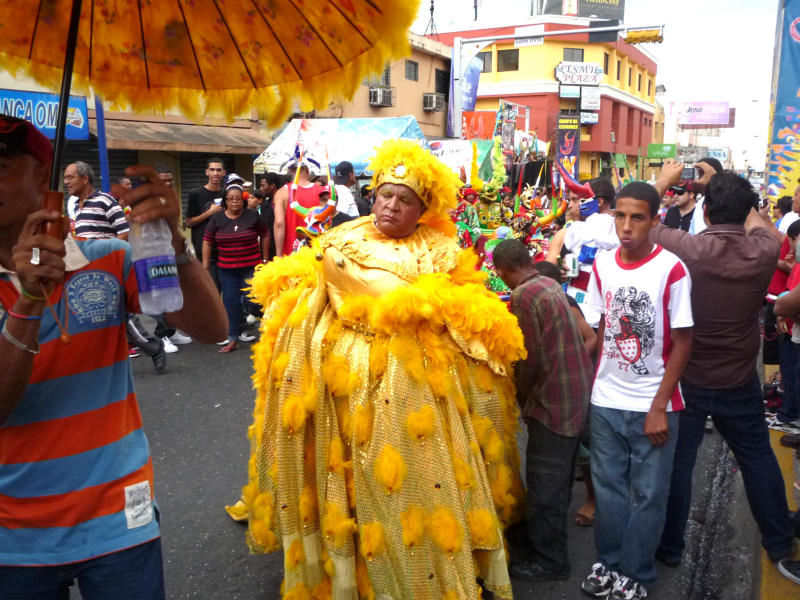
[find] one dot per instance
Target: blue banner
(783, 165)
(469, 91)
(42, 110)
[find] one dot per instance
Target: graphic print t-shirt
(640, 302)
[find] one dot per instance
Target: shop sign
(590, 98)
(579, 73)
(42, 110)
(569, 91)
(661, 150)
(590, 118)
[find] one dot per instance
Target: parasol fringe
(273, 104)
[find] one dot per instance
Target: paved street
(196, 414)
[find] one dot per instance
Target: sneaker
(784, 426)
(790, 569)
(252, 319)
(223, 342)
(599, 582)
(160, 360)
(180, 338)
(133, 352)
(246, 337)
(169, 347)
(626, 588)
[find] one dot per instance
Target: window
(412, 70)
(508, 60)
(630, 76)
(605, 62)
(619, 69)
(382, 80)
(649, 87)
(486, 58)
(573, 54)
(442, 84)
(639, 83)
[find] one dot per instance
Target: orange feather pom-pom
(336, 526)
(308, 505)
(362, 425)
(390, 469)
(293, 414)
(482, 528)
(371, 540)
(413, 522)
(465, 478)
(420, 423)
(445, 530)
(295, 554)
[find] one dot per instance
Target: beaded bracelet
(27, 294)
(25, 317)
(15, 342)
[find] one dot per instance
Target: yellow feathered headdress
(407, 163)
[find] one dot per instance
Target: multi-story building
(524, 72)
(418, 85)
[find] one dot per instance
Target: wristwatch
(188, 254)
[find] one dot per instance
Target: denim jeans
(549, 467)
(233, 282)
(631, 481)
(790, 377)
(738, 415)
(132, 574)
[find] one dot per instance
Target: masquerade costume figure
(384, 454)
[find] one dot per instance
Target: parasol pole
(63, 100)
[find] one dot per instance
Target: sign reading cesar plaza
(579, 73)
(42, 110)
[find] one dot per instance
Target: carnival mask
(589, 206)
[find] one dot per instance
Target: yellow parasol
(204, 56)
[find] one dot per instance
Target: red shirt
(307, 197)
(780, 278)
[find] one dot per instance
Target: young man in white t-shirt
(643, 293)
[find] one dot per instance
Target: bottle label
(156, 272)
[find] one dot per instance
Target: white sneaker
(252, 319)
(246, 337)
(180, 338)
(784, 426)
(223, 342)
(169, 347)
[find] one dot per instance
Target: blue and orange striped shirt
(76, 477)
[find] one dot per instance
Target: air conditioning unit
(432, 102)
(380, 96)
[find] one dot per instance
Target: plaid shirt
(554, 383)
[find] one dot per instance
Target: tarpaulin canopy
(353, 140)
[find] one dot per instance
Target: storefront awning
(175, 137)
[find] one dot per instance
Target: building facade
(418, 85)
(527, 72)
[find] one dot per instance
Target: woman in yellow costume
(384, 455)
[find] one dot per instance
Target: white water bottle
(156, 271)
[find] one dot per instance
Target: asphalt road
(196, 415)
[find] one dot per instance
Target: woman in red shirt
(242, 241)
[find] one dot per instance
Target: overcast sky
(711, 51)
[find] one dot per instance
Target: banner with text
(598, 9)
(568, 143)
(42, 110)
(469, 91)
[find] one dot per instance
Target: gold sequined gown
(384, 456)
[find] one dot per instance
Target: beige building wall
(429, 56)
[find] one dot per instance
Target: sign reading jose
(600, 9)
(702, 113)
(579, 73)
(42, 110)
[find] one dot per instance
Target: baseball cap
(343, 171)
(234, 178)
(18, 137)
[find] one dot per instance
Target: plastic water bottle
(156, 271)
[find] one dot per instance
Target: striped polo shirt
(76, 477)
(100, 217)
